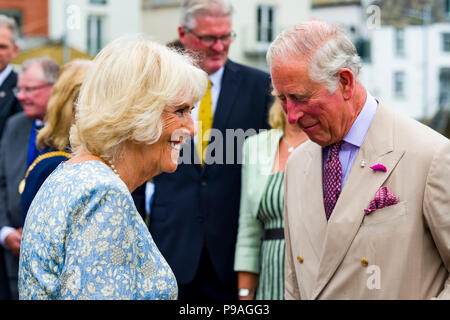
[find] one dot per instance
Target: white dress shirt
(5, 73)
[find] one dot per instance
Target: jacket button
(364, 262)
(300, 259)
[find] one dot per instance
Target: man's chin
(215, 65)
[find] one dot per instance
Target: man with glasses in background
(18, 150)
(194, 211)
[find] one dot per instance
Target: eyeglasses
(209, 40)
(27, 90)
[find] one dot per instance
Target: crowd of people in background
(332, 182)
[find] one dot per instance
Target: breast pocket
(386, 214)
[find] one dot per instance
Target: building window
(444, 88)
(363, 49)
(265, 20)
(446, 42)
(447, 7)
(98, 1)
(95, 35)
(399, 41)
(399, 83)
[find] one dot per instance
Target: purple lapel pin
(378, 167)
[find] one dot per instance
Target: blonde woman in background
(259, 258)
(53, 139)
(133, 114)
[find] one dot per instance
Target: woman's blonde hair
(61, 104)
(125, 92)
(277, 116)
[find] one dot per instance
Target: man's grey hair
(9, 23)
(49, 67)
(191, 9)
(325, 46)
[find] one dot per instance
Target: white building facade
(410, 68)
(407, 68)
(91, 24)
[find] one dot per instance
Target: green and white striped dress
(271, 276)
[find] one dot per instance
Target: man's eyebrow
(303, 95)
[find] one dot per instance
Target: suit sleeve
(4, 220)
(436, 207)
(250, 229)
(291, 290)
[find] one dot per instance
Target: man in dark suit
(194, 212)
(9, 105)
(17, 152)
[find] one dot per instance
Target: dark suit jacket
(9, 104)
(198, 204)
(13, 163)
(38, 174)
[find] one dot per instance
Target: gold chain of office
(36, 161)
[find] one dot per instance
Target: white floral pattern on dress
(84, 239)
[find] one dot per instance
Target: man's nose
(293, 112)
(20, 95)
(218, 45)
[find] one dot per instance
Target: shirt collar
(5, 73)
(216, 77)
(358, 131)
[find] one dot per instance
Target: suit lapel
(10, 81)
(228, 93)
(225, 104)
(359, 190)
(313, 212)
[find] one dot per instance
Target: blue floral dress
(84, 239)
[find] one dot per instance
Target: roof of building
(54, 51)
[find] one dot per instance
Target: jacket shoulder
(18, 118)
(417, 134)
(250, 71)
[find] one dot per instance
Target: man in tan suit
(367, 204)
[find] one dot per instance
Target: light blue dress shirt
(354, 138)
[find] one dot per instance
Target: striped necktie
(205, 121)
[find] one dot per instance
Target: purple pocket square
(383, 198)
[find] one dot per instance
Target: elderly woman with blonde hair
(83, 238)
(53, 139)
(259, 256)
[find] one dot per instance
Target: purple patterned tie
(332, 178)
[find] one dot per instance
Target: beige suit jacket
(398, 252)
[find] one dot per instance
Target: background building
(406, 49)
(88, 25)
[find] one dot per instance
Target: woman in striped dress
(259, 258)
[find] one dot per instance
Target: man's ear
(181, 34)
(346, 83)
(15, 50)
